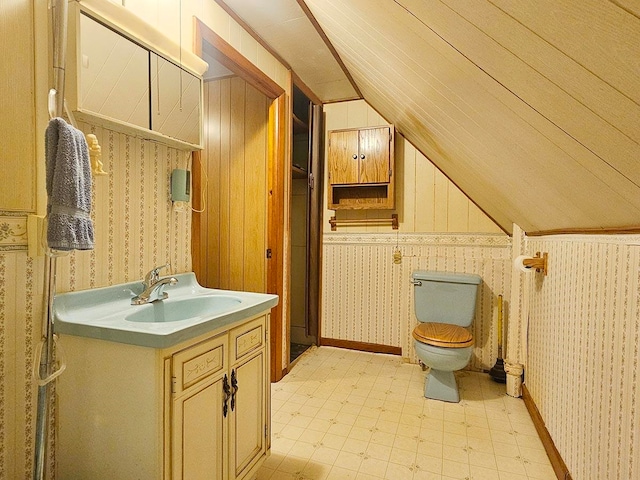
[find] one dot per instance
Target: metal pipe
(59, 15)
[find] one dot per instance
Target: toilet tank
(445, 297)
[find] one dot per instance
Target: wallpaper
(136, 228)
(584, 352)
(368, 298)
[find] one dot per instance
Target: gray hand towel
(68, 187)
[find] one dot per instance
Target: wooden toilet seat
(443, 335)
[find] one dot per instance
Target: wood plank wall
(233, 227)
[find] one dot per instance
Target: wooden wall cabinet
(361, 164)
(199, 410)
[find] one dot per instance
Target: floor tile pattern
(342, 414)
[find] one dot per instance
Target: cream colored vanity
(198, 409)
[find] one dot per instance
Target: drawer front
(199, 363)
(248, 338)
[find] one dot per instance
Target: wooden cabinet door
(374, 155)
(247, 436)
(343, 147)
(199, 434)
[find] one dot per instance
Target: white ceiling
(285, 27)
(531, 108)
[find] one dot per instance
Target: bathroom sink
(189, 311)
(183, 308)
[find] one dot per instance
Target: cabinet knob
(362, 156)
(355, 156)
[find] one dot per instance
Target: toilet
(445, 303)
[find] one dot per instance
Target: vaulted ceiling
(531, 108)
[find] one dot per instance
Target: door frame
(206, 40)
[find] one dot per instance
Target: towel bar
(393, 221)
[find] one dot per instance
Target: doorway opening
(306, 202)
(257, 186)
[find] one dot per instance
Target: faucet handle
(154, 275)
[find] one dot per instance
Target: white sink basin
(171, 310)
(191, 310)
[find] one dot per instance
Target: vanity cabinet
(198, 410)
(220, 401)
(361, 163)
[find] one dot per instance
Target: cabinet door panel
(114, 79)
(343, 168)
(248, 419)
(198, 435)
(374, 155)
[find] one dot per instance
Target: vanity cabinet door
(199, 434)
(248, 423)
(199, 422)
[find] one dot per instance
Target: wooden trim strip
(362, 346)
(634, 229)
(558, 465)
(275, 272)
(208, 41)
(252, 32)
(329, 45)
(297, 81)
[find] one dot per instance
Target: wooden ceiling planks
(513, 161)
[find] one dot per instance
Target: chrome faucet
(154, 287)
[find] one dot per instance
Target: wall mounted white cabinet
(124, 74)
(199, 410)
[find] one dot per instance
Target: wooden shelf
(299, 126)
(297, 172)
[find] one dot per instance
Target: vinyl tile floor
(342, 414)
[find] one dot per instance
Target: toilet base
(441, 385)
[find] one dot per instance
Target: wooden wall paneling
(215, 179)
(17, 111)
(255, 221)
(458, 214)
(225, 184)
(237, 201)
(441, 202)
(425, 205)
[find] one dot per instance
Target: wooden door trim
(208, 41)
(204, 39)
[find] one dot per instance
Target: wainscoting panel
(584, 352)
(368, 298)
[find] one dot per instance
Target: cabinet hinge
(268, 253)
(173, 384)
(389, 172)
(311, 181)
(266, 431)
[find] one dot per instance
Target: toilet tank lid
(447, 277)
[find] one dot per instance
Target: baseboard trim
(558, 465)
(362, 346)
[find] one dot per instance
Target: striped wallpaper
(584, 352)
(136, 228)
(368, 298)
